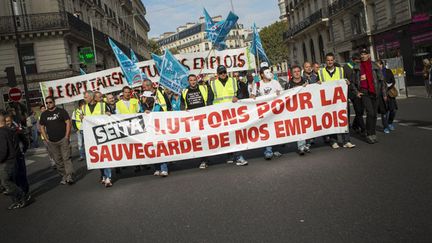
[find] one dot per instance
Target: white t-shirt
(266, 88)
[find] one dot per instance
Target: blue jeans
(106, 173)
(164, 167)
(301, 144)
(80, 139)
(35, 136)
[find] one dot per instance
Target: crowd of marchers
(371, 91)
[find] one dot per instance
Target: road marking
(426, 128)
(406, 124)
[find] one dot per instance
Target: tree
(273, 43)
(154, 47)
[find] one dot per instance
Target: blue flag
(158, 61)
(133, 56)
(82, 72)
(257, 47)
(173, 75)
(135, 60)
(217, 32)
(129, 69)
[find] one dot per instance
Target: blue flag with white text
(129, 69)
(217, 32)
(257, 47)
(173, 75)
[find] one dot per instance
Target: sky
(167, 15)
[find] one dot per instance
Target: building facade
(191, 37)
(308, 34)
(52, 33)
(389, 28)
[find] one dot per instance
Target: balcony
(307, 22)
(189, 44)
(34, 23)
(127, 4)
(339, 5)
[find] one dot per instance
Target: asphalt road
(373, 193)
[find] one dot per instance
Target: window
(28, 58)
(312, 49)
(304, 53)
(342, 29)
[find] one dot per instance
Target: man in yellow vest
(77, 124)
(328, 74)
(94, 108)
(196, 96)
(127, 105)
(226, 89)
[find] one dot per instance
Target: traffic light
(10, 74)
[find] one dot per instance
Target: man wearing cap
(358, 124)
(226, 89)
(367, 85)
(328, 74)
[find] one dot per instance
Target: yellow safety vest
(223, 94)
(98, 110)
(202, 89)
(78, 122)
(123, 109)
(325, 76)
(161, 100)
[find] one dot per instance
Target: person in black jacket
(390, 106)
(8, 158)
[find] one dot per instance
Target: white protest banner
(111, 80)
(297, 114)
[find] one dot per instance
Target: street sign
(15, 94)
(86, 55)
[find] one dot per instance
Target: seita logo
(118, 129)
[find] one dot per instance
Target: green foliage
(154, 47)
(273, 43)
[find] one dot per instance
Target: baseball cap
(221, 69)
(364, 50)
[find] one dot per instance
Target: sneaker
(70, 181)
(103, 180)
(164, 173)
(374, 137)
(301, 151)
(307, 149)
(391, 127)
(335, 146)
(268, 155)
(108, 182)
(386, 130)
(157, 173)
(349, 145)
(15, 205)
(277, 154)
(203, 165)
(241, 161)
(370, 140)
(63, 182)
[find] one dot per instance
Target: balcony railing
(339, 5)
(312, 19)
(189, 44)
(33, 22)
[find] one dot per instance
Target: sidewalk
(416, 91)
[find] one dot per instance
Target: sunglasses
(222, 73)
(49, 102)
